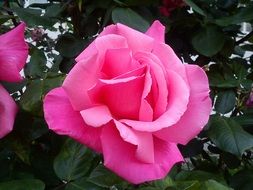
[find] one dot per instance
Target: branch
(245, 38)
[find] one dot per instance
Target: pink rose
(130, 98)
(13, 55)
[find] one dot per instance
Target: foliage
(203, 32)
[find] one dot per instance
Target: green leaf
(209, 40)
(243, 14)
(33, 17)
(31, 100)
(70, 46)
(73, 161)
(103, 177)
(130, 18)
(242, 180)
(25, 184)
(82, 184)
(225, 101)
(214, 185)
(195, 7)
(37, 64)
(228, 135)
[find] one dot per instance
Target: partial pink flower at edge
(13, 55)
(130, 98)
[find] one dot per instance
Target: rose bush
(130, 98)
(13, 55)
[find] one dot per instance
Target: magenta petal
(117, 95)
(62, 119)
(82, 77)
(136, 40)
(8, 110)
(177, 105)
(117, 62)
(198, 109)
(120, 157)
(96, 116)
(143, 140)
(13, 54)
(156, 31)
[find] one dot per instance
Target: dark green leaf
(209, 40)
(229, 136)
(195, 7)
(130, 18)
(242, 180)
(25, 184)
(82, 184)
(214, 185)
(70, 46)
(37, 64)
(33, 17)
(244, 14)
(103, 177)
(225, 101)
(73, 162)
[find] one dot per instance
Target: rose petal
(96, 116)
(158, 79)
(101, 44)
(156, 31)
(117, 93)
(13, 54)
(169, 59)
(177, 105)
(82, 77)
(8, 110)
(117, 62)
(62, 119)
(136, 40)
(198, 110)
(143, 140)
(120, 157)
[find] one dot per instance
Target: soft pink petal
(13, 54)
(146, 110)
(96, 116)
(8, 110)
(157, 31)
(143, 140)
(169, 59)
(120, 157)
(177, 104)
(121, 96)
(198, 110)
(136, 40)
(158, 80)
(117, 62)
(62, 119)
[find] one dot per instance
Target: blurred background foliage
(215, 34)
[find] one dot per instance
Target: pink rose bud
(37, 34)
(13, 55)
(249, 102)
(130, 98)
(170, 5)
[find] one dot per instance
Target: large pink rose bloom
(13, 55)
(130, 98)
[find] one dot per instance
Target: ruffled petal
(122, 96)
(13, 54)
(143, 141)
(96, 116)
(178, 99)
(157, 31)
(8, 110)
(120, 157)
(62, 119)
(198, 109)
